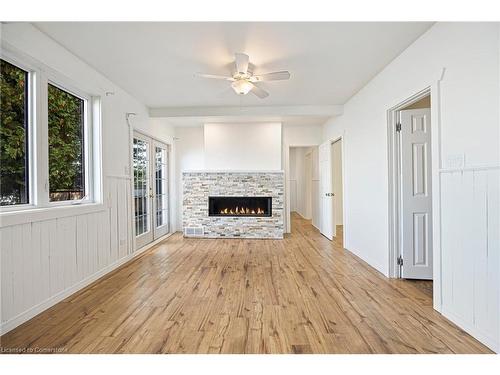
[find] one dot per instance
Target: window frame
(39, 76)
(87, 141)
(33, 74)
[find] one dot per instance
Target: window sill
(9, 218)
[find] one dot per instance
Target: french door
(151, 189)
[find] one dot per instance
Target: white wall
(47, 256)
(243, 146)
(468, 99)
(302, 135)
(190, 155)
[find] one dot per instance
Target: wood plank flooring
(303, 294)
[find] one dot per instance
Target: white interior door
(416, 199)
(327, 220)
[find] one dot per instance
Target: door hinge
(400, 260)
(398, 127)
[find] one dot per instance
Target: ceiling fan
(244, 81)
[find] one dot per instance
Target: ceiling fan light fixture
(242, 86)
(242, 79)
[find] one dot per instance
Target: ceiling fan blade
(274, 76)
(241, 62)
(259, 92)
(215, 76)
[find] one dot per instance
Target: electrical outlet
(456, 161)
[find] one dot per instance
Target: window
(14, 134)
(66, 119)
(48, 129)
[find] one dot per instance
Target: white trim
(61, 84)
(33, 82)
(471, 168)
(206, 112)
(394, 168)
(42, 306)
(481, 336)
(393, 197)
(35, 214)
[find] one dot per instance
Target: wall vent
(193, 231)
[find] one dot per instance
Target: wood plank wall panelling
(43, 261)
(470, 251)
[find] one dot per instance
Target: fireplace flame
(242, 211)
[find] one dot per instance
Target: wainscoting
(42, 262)
(470, 243)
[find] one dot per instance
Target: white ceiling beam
(298, 110)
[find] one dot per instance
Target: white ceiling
(156, 62)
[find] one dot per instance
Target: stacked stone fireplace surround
(199, 185)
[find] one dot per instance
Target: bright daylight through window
(14, 135)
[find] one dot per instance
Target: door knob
(330, 194)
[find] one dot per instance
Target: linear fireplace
(240, 206)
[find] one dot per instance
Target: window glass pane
(141, 186)
(161, 176)
(66, 148)
(13, 135)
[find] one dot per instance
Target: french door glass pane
(141, 186)
(161, 184)
(13, 135)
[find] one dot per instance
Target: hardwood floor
(303, 294)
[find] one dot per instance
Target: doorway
(304, 184)
(151, 196)
(412, 253)
(331, 172)
(337, 189)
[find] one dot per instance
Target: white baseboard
(484, 338)
(51, 301)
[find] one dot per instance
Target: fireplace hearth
(240, 206)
